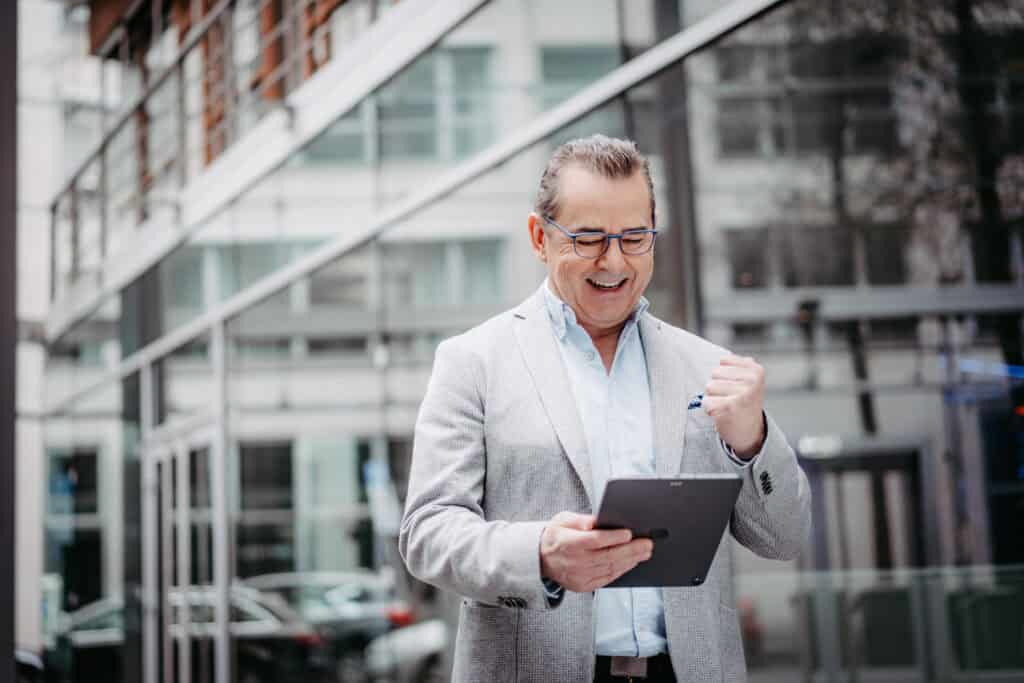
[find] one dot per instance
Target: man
(528, 415)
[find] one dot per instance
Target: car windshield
(347, 593)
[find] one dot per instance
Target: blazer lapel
(673, 384)
(540, 352)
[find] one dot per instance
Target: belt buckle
(630, 667)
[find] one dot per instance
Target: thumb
(573, 520)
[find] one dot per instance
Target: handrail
(197, 34)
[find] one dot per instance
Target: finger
(741, 361)
(600, 581)
(605, 538)
(724, 387)
(611, 575)
(637, 549)
(733, 372)
(574, 520)
(717, 406)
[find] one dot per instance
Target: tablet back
(685, 516)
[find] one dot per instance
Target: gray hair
(609, 157)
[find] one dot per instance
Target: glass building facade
(248, 290)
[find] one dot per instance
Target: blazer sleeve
(772, 516)
(444, 538)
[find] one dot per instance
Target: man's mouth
(606, 285)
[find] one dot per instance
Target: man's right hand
(583, 559)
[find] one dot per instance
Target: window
(790, 256)
(886, 253)
(806, 97)
(241, 265)
(82, 132)
(746, 253)
(894, 330)
(483, 276)
(440, 107)
(76, 553)
(84, 353)
(265, 531)
(74, 540)
(343, 283)
(416, 274)
(750, 333)
(255, 347)
(565, 70)
(338, 346)
(266, 476)
(73, 482)
(343, 142)
(265, 548)
(816, 256)
(443, 274)
(473, 98)
(181, 278)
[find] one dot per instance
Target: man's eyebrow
(603, 230)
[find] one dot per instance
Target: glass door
(180, 619)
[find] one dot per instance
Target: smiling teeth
(605, 285)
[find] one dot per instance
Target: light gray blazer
(499, 449)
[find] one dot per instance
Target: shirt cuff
(740, 462)
(553, 591)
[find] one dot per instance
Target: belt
(657, 668)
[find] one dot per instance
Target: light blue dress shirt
(615, 409)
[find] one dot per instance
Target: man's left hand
(735, 399)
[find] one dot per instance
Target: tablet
(685, 517)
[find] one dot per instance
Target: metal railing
(235, 64)
(942, 624)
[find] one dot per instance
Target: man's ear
(538, 238)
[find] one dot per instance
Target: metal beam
(220, 488)
(851, 303)
(8, 326)
(658, 58)
(149, 514)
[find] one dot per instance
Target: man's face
(604, 291)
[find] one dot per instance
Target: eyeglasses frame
(608, 239)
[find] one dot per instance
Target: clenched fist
(735, 399)
(582, 558)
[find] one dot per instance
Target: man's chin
(607, 319)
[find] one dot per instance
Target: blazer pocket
(485, 644)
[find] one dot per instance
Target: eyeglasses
(592, 245)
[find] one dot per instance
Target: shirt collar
(562, 316)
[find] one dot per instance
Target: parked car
(349, 609)
(272, 642)
(345, 602)
(413, 654)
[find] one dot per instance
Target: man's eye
(634, 239)
(590, 240)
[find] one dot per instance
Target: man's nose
(612, 259)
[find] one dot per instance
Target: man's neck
(606, 340)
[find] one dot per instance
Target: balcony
(179, 99)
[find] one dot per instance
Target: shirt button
(591, 355)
